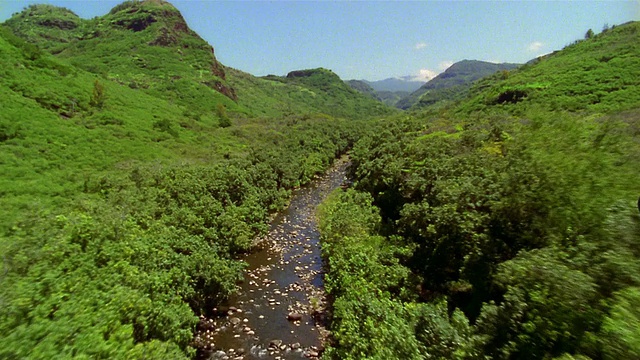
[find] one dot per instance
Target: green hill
(598, 74)
(452, 84)
(135, 168)
(147, 45)
(314, 91)
(140, 44)
(503, 226)
(363, 87)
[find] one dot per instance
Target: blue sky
(374, 40)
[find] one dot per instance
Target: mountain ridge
(148, 45)
(453, 83)
(395, 84)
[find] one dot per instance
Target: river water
(277, 312)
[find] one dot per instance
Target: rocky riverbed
(278, 313)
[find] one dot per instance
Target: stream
(278, 311)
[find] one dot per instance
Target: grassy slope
(598, 75)
(55, 139)
(144, 45)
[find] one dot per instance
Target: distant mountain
(391, 98)
(453, 83)
(404, 83)
(388, 91)
(363, 87)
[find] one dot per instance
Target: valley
(158, 204)
(279, 310)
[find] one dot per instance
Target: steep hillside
(147, 45)
(141, 44)
(599, 74)
(452, 84)
(504, 226)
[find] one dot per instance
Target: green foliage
(123, 207)
(98, 95)
(223, 118)
(369, 317)
(547, 308)
(518, 210)
(620, 331)
(442, 335)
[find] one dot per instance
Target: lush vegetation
(136, 168)
(503, 227)
(312, 91)
(130, 184)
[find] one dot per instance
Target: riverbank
(277, 311)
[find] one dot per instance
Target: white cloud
(420, 45)
(425, 75)
(444, 65)
(535, 46)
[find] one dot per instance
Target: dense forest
(136, 169)
(505, 226)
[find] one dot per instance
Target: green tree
(546, 309)
(621, 328)
(589, 34)
(98, 96)
(223, 119)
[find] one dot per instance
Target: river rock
(275, 343)
(294, 317)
